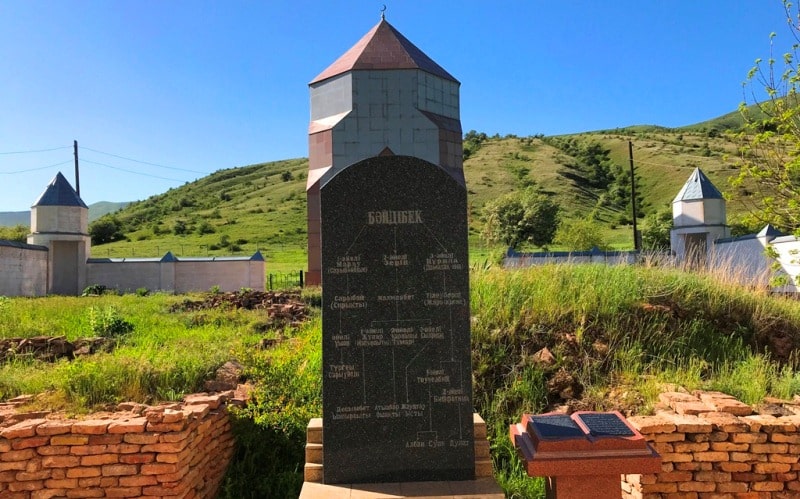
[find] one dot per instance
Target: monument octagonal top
(383, 47)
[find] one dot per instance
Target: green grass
(621, 332)
(165, 356)
(653, 326)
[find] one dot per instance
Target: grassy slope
(252, 206)
(258, 207)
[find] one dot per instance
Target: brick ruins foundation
(714, 446)
(171, 450)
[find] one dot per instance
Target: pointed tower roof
(769, 231)
(59, 193)
(383, 47)
(697, 187)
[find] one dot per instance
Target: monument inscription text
(397, 388)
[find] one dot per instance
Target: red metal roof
(383, 47)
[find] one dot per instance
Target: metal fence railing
(283, 280)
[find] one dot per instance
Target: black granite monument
(397, 389)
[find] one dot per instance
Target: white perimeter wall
(23, 271)
(179, 277)
(788, 249)
(744, 259)
(228, 275)
(612, 258)
(748, 262)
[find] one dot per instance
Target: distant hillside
(263, 206)
(96, 210)
(12, 218)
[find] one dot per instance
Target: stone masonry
(714, 446)
(173, 450)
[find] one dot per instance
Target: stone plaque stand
(582, 455)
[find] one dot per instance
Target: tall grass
(165, 355)
(620, 331)
(271, 430)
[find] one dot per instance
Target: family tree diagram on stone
(399, 304)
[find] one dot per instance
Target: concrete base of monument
(483, 487)
(480, 488)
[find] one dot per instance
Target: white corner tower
(60, 221)
(698, 219)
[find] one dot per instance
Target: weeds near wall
(271, 430)
(108, 323)
(163, 356)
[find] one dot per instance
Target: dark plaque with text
(397, 393)
(605, 424)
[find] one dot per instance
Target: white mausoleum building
(700, 237)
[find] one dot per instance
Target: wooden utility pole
(77, 175)
(636, 244)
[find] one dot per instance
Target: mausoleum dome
(59, 209)
(698, 202)
(383, 47)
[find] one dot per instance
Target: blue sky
(200, 86)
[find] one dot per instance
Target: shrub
(18, 233)
(205, 228)
(521, 217)
(94, 290)
(108, 323)
(105, 230)
(581, 235)
(179, 228)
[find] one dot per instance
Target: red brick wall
(176, 450)
(714, 446)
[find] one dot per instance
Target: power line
(34, 169)
(143, 162)
(36, 150)
(130, 171)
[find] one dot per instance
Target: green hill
(97, 210)
(232, 211)
(262, 207)
(12, 218)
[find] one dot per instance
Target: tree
(18, 233)
(581, 235)
(179, 228)
(769, 143)
(105, 230)
(526, 216)
(472, 142)
(656, 232)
